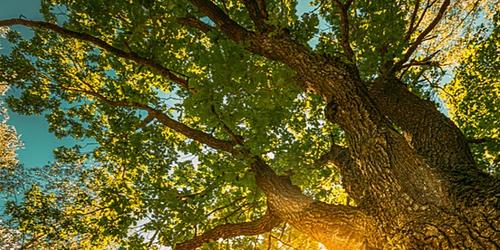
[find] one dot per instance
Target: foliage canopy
(178, 109)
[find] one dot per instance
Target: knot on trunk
(331, 111)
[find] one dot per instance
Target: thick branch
(258, 13)
(100, 43)
(280, 46)
(422, 36)
(336, 226)
(344, 28)
(221, 19)
(260, 226)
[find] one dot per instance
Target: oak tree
(255, 123)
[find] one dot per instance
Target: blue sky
(38, 142)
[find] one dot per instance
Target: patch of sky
(207, 21)
(308, 7)
(61, 13)
(170, 100)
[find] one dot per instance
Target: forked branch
(221, 19)
(422, 36)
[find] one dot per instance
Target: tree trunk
(419, 191)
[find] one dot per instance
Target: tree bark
(415, 198)
(419, 190)
(408, 189)
(436, 138)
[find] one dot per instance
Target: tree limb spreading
(413, 18)
(167, 73)
(164, 119)
(421, 37)
(259, 226)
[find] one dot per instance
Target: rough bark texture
(419, 189)
(339, 227)
(436, 138)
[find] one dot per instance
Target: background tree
(9, 143)
(242, 123)
(9, 238)
(473, 97)
(8, 137)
